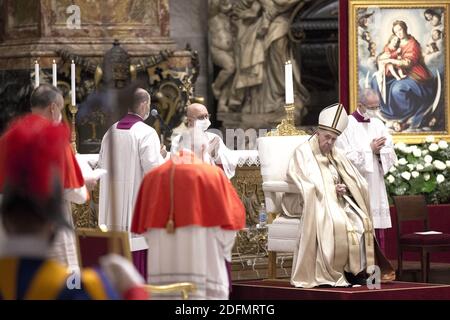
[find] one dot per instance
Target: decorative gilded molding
(287, 125)
(86, 215)
(250, 243)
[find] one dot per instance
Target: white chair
(275, 152)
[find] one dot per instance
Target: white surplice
(355, 142)
(136, 152)
(191, 254)
(224, 155)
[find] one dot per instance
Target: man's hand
(121, 272)
(377, 144)
(341, 189)
(163, 151)
(213, 148)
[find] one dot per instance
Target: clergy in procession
(190, 220)
(368, 145)
(336, 244)
(47, 104)
(32, 214)
(217, 152)
(137, 149)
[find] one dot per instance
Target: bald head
(141, 103)
(196, 111)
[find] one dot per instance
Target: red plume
(34, 149)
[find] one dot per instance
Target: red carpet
(281, 289)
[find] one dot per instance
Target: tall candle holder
(287, 125)
(73, 139)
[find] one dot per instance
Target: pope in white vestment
(336, 242)
(217, 152)
(137, 150)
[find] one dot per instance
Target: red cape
(203, 196)
(72, 173)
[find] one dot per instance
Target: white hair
(195, 140)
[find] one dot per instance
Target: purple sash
(359, 117)
(128, 121)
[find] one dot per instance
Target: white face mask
(371, 113)
(59, 119)
(202, 124)
(147, 115)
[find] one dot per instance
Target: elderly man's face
(326, 141)
(196, 112)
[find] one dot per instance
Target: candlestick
(54, 73)
(36, 74)
(72, 71)
(288, 83)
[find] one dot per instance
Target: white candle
(72, 73)
(289, 88)
(54, 73)
(36, 74)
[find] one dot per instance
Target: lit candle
(289, 88)
(72, 72)
(54, 73)
(36, 74)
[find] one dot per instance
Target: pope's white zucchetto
(333, 118)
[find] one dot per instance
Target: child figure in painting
(391, 51)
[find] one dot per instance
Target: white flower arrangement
(443, 144)
(406, 175)
(417, 153)
(390, 178)
(421, 169)
(439, 165)
(433, 147)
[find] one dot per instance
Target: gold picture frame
(399, 50)
(95, 243)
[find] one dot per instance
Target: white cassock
(136, 152)
(194, 254)
(355, 142)
(224, 155)
(64, 247)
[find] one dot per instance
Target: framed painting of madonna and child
(398, 53)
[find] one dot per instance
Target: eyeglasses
(202, 117)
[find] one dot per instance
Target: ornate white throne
(275, 152)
